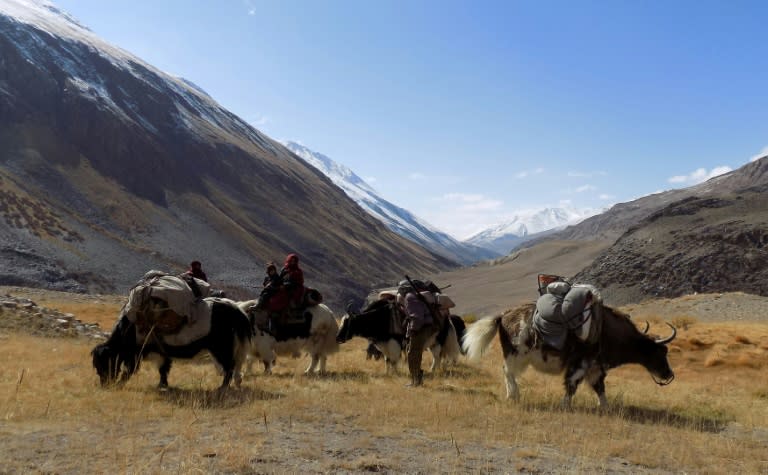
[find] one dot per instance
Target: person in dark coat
(420, 327)
(196, 270)
(293, 279)
(270, 286)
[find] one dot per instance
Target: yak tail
(243, 334)
(452, 347)
(479, 336)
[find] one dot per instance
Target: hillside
(110, 167)
(706, 238)
(618, 219)
(696, 245)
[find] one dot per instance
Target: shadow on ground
(215, 399)
(644, 415)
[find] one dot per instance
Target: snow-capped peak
(532, 222)
(397, 219)
(338, 173)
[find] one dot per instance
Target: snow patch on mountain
(195, 108)
(524, 226)
(398, 219)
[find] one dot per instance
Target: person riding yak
(196, 270)
(283, 292)
(293, 279)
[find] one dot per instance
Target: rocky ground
(24, 315)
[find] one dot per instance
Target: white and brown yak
(618, 342)
(314, 335)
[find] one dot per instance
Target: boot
(416, 380)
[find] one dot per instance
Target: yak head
(655, 355)
(106, 363)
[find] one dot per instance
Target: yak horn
(666, 340)
(349, 308)
(647, 326)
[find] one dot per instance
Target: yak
(619, 343)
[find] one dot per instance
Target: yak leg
(312, 364)
(226, 359)
(574, 375)
(268, 366)
(164, 369)
(596, 379)
(392, 352)
(512, 368)
(129, 363)
(323, 359)
(436, 351)
(389, 366)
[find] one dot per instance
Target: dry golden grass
(54, 418)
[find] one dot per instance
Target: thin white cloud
(584, 188)
(763, 153)
(484, 205)
(471, 202)
(416, 176)
(463, 197)
(527, 173)
(250, 7)
(579, 174)
(699, 175)
(606, 197)
(370, 179)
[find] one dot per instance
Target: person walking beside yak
(420, 327)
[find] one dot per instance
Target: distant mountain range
(397, 219)
(504, 237)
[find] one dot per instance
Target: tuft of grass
(683, 322)
(743, 340)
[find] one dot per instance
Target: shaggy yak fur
(375, 323)
(315, 335)
(228, 341)
(619, 343)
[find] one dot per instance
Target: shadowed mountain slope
(110, 167)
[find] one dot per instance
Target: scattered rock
(24, 315)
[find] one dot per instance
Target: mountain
(713, 239)
(110, 167)
(612, 223)
(706, 238)
(397, 219)
(504, 237)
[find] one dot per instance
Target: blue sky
(468, 112)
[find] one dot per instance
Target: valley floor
(55, 419)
